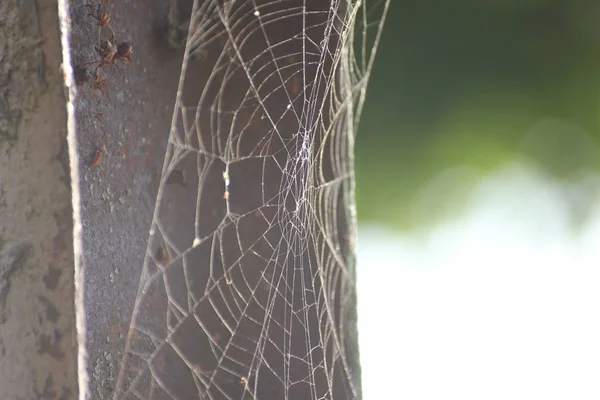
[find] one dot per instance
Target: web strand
(247, 290)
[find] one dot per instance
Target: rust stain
(97, 158)
(162, 256)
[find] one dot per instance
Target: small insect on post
(110, 54)
(100, 15)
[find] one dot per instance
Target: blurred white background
(501, 300)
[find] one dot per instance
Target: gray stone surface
(38, 349)
(128, 121)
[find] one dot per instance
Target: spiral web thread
(247, 290)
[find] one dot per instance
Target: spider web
(247, 290)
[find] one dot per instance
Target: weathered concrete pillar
(38, 347)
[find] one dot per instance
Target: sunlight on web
(248, 285)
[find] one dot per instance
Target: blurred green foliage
(477, 83)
